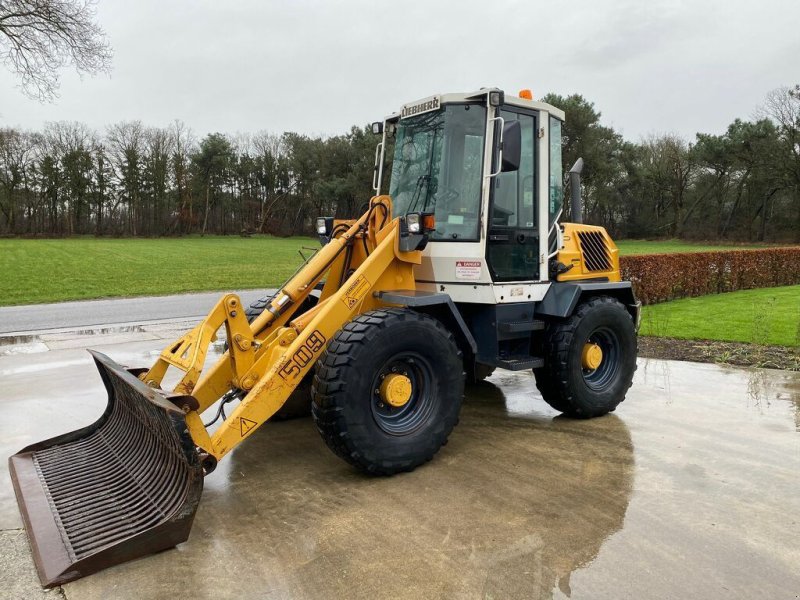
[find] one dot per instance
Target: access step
(520, 326)
(519, 363)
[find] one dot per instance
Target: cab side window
(514, 191)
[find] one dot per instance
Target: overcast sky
(649, 66)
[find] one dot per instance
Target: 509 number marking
(303, 356)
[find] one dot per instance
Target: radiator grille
(595, 252)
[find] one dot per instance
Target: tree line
(742, 185)
(141, 181)
(69, 179)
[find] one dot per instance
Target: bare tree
(183, 145)
(17, 164)
(126, 141)
(782, 106)
(669, 172)
(158, 144)
(39, 37)
(270, 152)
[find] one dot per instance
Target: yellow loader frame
(268, 358)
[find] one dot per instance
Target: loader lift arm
(266, 360)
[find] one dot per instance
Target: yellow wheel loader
(462, 268)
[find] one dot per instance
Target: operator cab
(480, 163)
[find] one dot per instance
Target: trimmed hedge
(662, 277)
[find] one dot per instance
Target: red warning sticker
(468, 269)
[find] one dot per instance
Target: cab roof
(467, 96)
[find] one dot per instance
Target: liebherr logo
(421, 107)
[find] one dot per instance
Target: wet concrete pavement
(690, 490)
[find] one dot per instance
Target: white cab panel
(488, 293)
(453, 262)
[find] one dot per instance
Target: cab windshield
(438, 158)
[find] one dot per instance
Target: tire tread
(330, 391)
(553, 379)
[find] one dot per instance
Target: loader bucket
(124, 487)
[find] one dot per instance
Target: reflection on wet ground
(81, 338)
(689, 490)
(17, 340)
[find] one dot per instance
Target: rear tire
(298, 404)
(259, 306)
(352, 416)
(583, 392)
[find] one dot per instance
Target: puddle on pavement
(90, 332)
(520, 503)
(21, 344)
(28, 347)
(515, 503)
(788, 390)
(45, 367)
(33, 344)
(11, 340)
(525, 503)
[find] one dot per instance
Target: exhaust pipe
(576, 206)
(124, 487)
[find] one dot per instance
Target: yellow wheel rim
(396, 389)
(592, 356)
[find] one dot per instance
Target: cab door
(513, 234)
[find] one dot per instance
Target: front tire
(571, 386)
(377, 434)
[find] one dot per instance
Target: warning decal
(468, 269)
(245, 425)
(355, 291)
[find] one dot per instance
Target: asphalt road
(87, 313)
(689, 490)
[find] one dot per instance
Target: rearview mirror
(512, 146)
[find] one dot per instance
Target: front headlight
(324, 225)
(420, 222)
(414, 222)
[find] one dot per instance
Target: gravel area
(730, 353)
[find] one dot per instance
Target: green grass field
(72, 269)
(764, 316)
(51, 270)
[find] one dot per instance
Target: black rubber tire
(564, 384)
(544, 383)
(298, 405)
(344, 405)
(257, 307)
